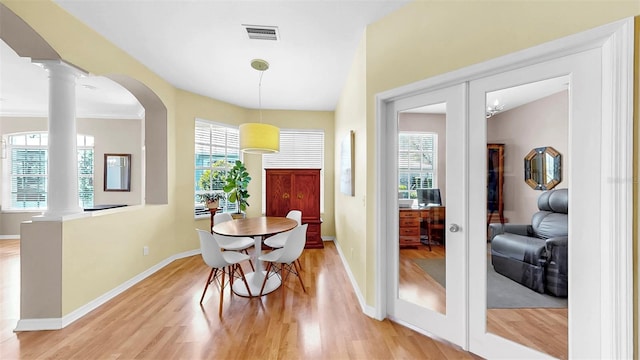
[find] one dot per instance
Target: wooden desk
(412, 220)
(256, 227)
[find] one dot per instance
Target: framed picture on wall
(346, 164)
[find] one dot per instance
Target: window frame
(199, 209)
(8, 169)
(422, 173)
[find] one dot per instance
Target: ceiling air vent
(259, 32)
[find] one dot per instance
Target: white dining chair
(221, 263)
(277, 241)
(286, 257)
(232, 243)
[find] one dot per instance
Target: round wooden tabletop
(258, 226)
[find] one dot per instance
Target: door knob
(454, 228)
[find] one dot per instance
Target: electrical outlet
(145, 250)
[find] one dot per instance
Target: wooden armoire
(296, 189)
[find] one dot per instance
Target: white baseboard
(59, 323)
(10, 237)
(38, 324)
(328, 238)
(366, 309)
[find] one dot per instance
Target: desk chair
(221, 264)
(435, 224)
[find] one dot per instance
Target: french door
(435, 307)
(597, 66)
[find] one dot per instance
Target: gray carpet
(503, 293)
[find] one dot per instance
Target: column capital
(59, 66)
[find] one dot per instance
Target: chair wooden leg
(221, 294)
(232, 270)
(266, 277)
(244, 280)
(211, 274)
(300, 278)
(282, 285)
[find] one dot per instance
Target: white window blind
(416, 162)
(299, 149)
(217, 147)
(28, 171)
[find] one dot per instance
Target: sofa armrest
(560, 241)
(495, 229)
(518, 229)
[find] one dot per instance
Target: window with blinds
(217, 147)
(28, 159)
(417, 159)
(299, 149)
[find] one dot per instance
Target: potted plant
(236, 184)
(212, 200)
(210, 183)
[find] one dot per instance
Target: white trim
(10, 237)
(367, 310)
(328, 238)
(59, 323)
(616, 42)
(616, 194)
(38, 324)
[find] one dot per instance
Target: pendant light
(259, 138)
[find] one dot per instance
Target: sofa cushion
(549, 224)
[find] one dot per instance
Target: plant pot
(213, 204)
(236, 216)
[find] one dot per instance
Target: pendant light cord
(260, 95)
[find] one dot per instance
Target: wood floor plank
(161, 318)
(543, 329)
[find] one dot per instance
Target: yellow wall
(351, 215)
(427, 38)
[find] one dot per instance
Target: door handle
(454, 228)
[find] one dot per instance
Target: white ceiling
(202, 47)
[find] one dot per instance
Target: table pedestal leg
(255, 279)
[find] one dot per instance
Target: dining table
(256, 227)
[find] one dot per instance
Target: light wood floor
(545, 330)
(160, 318)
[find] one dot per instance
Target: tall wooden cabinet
(296, 189)
(495, 183)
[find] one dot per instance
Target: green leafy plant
(212, 180)
(236, 184)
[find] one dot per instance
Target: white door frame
(450, 325)
(615, 194)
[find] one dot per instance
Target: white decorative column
(62, 186)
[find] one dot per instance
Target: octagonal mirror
(543, 168)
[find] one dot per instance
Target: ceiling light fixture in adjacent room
(259, 138)
(496, 108)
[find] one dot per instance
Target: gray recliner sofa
(535, 255)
